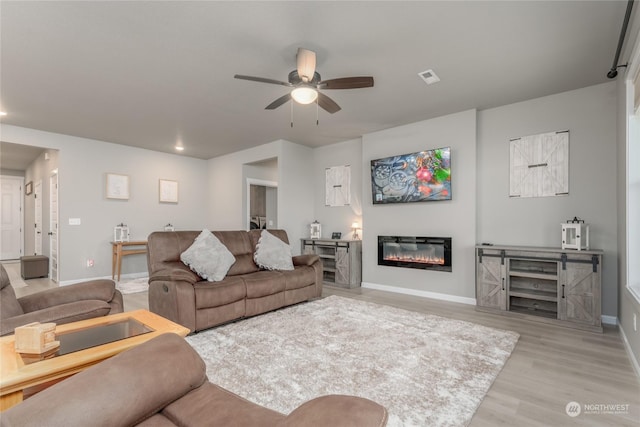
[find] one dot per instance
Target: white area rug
(133, 286)
(426, 370)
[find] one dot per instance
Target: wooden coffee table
(17, 379)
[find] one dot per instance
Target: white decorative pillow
(272, 253)
(208, 257)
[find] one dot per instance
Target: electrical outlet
(89, 262)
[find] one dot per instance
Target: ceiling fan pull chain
(292, 114)
(317, 119)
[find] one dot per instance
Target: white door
(53, 227)
(11, 218)
(37, 193)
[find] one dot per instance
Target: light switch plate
(74, 221)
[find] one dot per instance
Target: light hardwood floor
(550, 367)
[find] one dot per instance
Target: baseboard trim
(634, 362)
(419, 293)
(122, 277)
(609, 320)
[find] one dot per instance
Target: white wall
(338, 218)
(295, 192)
(83, 164)
(227, 188)
(590, 116)
(455, 218)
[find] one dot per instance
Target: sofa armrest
(123, 390)
(59, 314)
(308, 259)
(337, 411)
(174, 273)
(101, 290)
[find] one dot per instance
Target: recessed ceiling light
(179, 148)
(429, 77)
(3, 113)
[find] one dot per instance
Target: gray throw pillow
(208, 257)
(272, 253)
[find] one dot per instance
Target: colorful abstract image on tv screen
(416, 177)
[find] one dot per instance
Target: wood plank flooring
(550, 367)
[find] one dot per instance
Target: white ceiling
(148, 74)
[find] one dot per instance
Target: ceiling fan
(306, 84)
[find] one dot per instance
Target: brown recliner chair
(65, 304)
(163, 382)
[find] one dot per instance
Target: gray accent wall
(590, 116)
(455, 218)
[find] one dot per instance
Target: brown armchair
(65, 304)
(163, 382)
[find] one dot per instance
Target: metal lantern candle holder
(315, 230)
(575, 234)
(121, 233)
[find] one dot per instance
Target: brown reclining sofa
(179, 294)
(163, 383)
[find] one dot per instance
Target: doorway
(262, 204)
(53, 226)
(11, 218)
(37, 194)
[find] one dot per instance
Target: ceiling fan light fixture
(304, 95)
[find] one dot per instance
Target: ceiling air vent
(429, 77)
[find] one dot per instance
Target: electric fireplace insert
(428, 253)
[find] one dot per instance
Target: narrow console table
(545, 284)
(341, 260)
(121, 249)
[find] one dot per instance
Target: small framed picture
(28, 189)
(168, 191)
(336, 235)
(117, 186)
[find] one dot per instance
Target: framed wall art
(168, 191)
(117, 186)
(338, 186)
(539, 165)
(28, 189)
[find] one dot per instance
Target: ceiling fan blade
(346, 83)
(262, 80)
(306, 64)
(327, 104)
(278, 102)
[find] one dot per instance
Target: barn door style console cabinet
(341, 260)
(546, 284)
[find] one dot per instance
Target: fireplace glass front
(430, 253)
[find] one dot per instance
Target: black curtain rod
(613, 72)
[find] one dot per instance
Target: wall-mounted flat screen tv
(415, 177)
